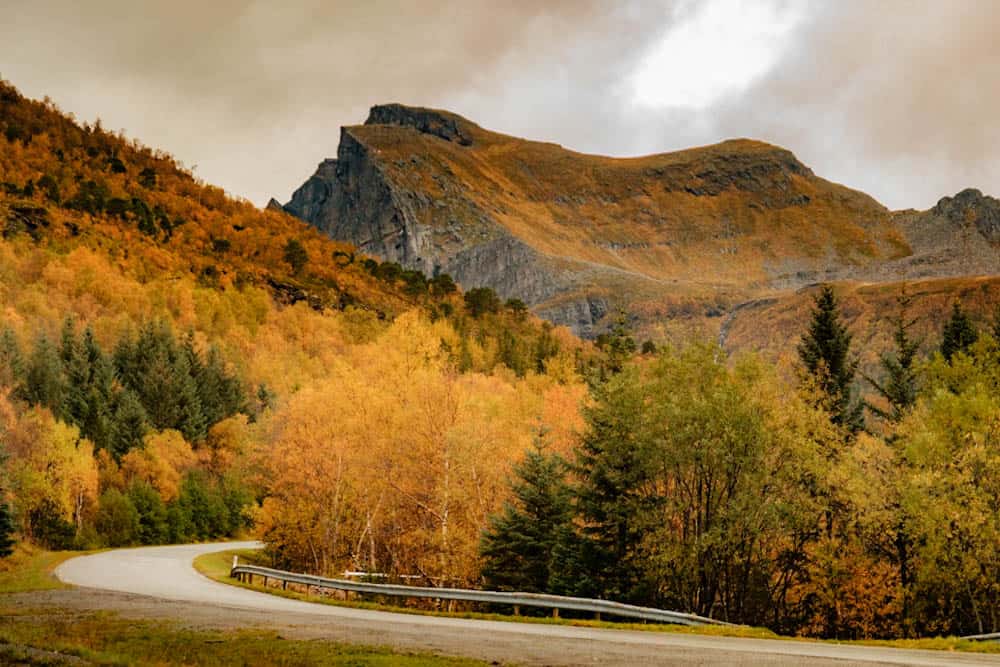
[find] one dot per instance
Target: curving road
(170, 587)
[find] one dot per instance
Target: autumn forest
(178, 365)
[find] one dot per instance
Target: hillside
(178, 365)
(677, 239)
(85, 191)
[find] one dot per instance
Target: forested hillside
(161, 341)
(178, 365)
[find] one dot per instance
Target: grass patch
(31, 569)
(51, 636)
(217, 566)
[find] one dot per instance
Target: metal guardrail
(555, 602)
(992, 637)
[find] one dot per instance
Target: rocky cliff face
(577, 236)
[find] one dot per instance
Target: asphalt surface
(161, 581)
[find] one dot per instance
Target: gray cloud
(896, 98)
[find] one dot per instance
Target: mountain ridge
(580, 236)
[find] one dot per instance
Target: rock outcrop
(577, 236)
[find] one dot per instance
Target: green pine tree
(510, 353)
(612, 466)
(219, 393)
(620, 345)
(7, 527)
(44, 383)
(129, 425)
(959, 333)
(152, 513)
(77, 370)
(825, 351)
(7, 541)
(11, 361)
(517, 548)
(296, 255)
(101, 394)
(899, 384)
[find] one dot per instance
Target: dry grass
(31, 569)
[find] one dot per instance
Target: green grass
(217, 565)
(31, 569)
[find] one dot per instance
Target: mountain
(683, 237)
(113, 212)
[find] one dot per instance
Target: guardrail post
(555, 612)
(517, 610)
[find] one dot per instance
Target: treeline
(120, 448)
(707, 486)
(481, 317)
(150, 382)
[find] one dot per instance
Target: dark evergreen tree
(959, 333)
(219, 393)
(510, 352)
(546, 347)
(825, 352)
(101, 394)
(129, 425)
(117, 520)
(612, 466)
(44, 383)
(296, 255)
(77, 371)
(152, 513)
(443, 285)
(899, 378)
(518, 308)
(7, 530)
(205, 507)
(517, 548)
(7, 527)
(47, 527)
(11, 361)
(481, 300)
(618, 345)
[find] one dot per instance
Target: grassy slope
(216, 566)
(31, 569)
(46, 635)
(868, 309)
(573, 205)
(759, 215)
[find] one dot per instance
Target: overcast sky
(899, 99)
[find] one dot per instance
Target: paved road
(166, 574)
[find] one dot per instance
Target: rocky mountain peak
(972, 206)
(442, 124)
